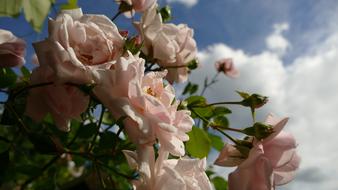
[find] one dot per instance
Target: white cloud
(276, 41)
(188, 3)
(305, 90)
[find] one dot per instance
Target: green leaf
(190, 88)
(4, 164)
(108, 119)
(87, 131)
(25, 72)
(36, 12)
(10, 8)
(7, 77)
(243, 94)
(205, 112)
(199, 143)
(219, 183)
(107, 140)
(44, 144)
(216, 142)
(72, 4)
(221, 121)
(221, 111)
(196, 101)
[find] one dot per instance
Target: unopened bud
(259, 130)
(165, 13)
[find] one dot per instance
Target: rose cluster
(90, 50)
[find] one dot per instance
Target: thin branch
(98, 129)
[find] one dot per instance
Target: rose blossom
(173, 46)
(78, 44)
(272, 161)
(166, 174)
(149, 104)
(12, 50)
(227, 67)
(63, 102)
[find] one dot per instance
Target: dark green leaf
(4, 164)
(44, 143)
(87, 131)
(107, 140)
(199, 144)
(25, 72)
(216, 142)
(220, 183)
(190, 88)
(221, 121)
(221, 111)
(7, 77)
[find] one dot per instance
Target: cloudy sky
(285, 49)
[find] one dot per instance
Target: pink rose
(173, 46)
(148, 103)
(63, 102)
(272, 161)
(12, 50)
(227, 67)
(78, 45)
(164, 173)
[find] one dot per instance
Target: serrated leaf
(216, 142)
(10, 8)
(199, 143)
(36, 12)
(7, 77)
(219, 183)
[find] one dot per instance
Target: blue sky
(286, 49)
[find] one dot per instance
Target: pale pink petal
(229, 156)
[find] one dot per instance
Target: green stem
(228, 136)
(206, 85)
(116, 15)
(30, 87)
(97, 130)
(208, 123)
